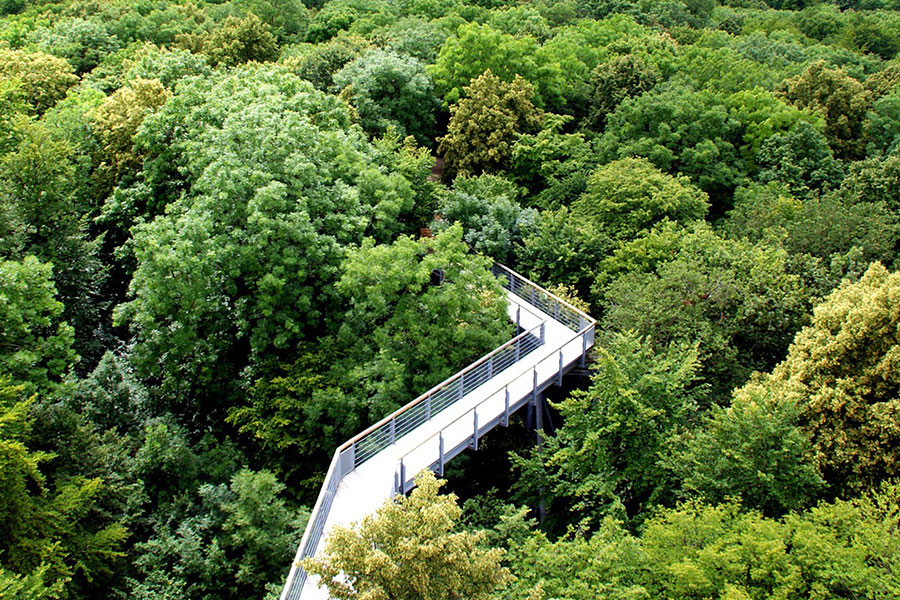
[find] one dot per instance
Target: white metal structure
(382, 461)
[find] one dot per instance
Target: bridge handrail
(547, 301)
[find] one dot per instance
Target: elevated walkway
(552, 336)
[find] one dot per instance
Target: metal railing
(381, 435)
(558, 360)
(387, 431)
(552, 305)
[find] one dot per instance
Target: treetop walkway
(382, 461)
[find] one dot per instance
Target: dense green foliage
(235, 232)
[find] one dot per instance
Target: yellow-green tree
(484, 125)
(117, 120)
(410, 550)
(845, 367)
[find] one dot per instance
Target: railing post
(518, 318)
(542, 332)
(475, 432)
(393, 430)
(402, 477)
(490, 366)
(532, 297)
(441, 454)
(534, 387)
(428, 408)
(518, 349)
(559, 377)
(506, 408)
(459, 394)
(556, 310)
(583, 348)
(396, 483)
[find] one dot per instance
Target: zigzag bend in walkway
(380, 462)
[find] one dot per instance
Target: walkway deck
(383, 460)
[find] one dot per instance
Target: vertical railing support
(459, 394)
(441, 454)
(490, 366)
(534, 387)
(543, 326)
(402, 477)
(559, 376)
(428, 408)
(518, 318)
(475, 432)
(518, 349)
(506, 408)
(583, 348)
(393, 430)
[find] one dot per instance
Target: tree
(36, 188)
(117, 120)
(323, 60)
(44, 79)
(882, 126)
(83, 42)
(484, 124)
(479, 48)
(390, 90)
(235, 539)
(680, 131)
(287, 19)
(883, 82)
(737, 301)
(844, 369)
(239, 41)
(35, 344)
(605, 461)
(754, 450)
(619, 78)
(628, 197)
(418, 311)
(52, 533)
(242, 265)
(486, 206)
(762, 115)
(876, 180)
(409, 551)
(800, 158)
(842, 101)
(167, 65)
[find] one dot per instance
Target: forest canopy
(234, 233)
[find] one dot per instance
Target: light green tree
(410, 550)
(35, 345)
(390, 90)
(479, 48)
(754, 450)
(418, 311)
(629, 196)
